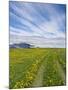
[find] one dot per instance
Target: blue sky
(37, 20)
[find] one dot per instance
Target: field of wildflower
(37, 67)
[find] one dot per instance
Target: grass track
(37, 67)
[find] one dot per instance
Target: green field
(37, 67)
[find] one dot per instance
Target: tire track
(38, 82)
(60, 70)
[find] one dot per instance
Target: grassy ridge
(37, 67)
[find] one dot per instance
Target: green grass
(36, 67)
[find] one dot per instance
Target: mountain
(20, 45)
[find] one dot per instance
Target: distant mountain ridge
(20, 45)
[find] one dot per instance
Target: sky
(40, 24)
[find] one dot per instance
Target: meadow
(37, 67)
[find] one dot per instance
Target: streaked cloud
(36, 19)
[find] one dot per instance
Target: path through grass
(37, 67)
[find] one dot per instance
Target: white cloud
(38, 41)
(39, 26)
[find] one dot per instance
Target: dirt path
(39, 78)
(38, 82)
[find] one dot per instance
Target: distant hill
(20, 45)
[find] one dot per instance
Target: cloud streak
(37, 19)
